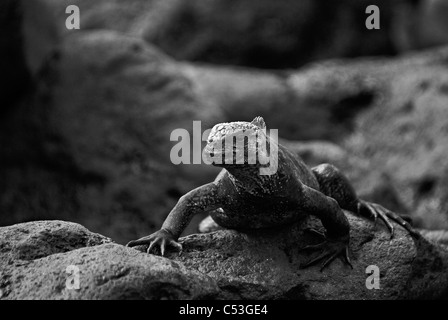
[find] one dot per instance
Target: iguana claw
(332, 248)
(376, 210)
(162, 237)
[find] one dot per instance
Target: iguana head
(238, 143)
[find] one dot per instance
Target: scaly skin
(250, 200)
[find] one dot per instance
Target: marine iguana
(242, 198)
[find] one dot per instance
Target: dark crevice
(346, 109)
(426, 186)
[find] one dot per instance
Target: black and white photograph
(223, 154)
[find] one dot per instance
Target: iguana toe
(332, 248)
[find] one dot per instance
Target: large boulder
(266, 264)
(40, 260)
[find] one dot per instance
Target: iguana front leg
(204, 198)
(337, 235)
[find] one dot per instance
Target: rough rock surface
(262, 264)
(266, 265)
(35, 240)
(34, 258)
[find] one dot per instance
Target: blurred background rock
(86, 114)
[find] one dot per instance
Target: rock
(266, 264)
(34, 240)
(106, 270)
(225, 264)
